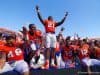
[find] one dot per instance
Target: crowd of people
(38, 50)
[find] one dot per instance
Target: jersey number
(17, 52)
(84, 52)
(51, 25)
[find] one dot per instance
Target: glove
(37, 8)
(66, 14)
(62, 29)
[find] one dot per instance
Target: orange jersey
(38, 33)
(2, 48)
(2, 42)
(74, 47)
(13, 53)
(84, 51)
(35, 36)
(31, 37)
(68, 53)
(49, 26)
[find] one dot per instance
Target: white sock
(58, 60)
(52, 61)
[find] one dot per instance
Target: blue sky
(83, 18)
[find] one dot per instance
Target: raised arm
(39, 15)
(62, 21)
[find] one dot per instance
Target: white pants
(20, 66)
(50, 40)
(58, 60)
(6, 68)
(91, 62)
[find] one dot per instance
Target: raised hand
(62, 29)
(37, 7)
(66, 13)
